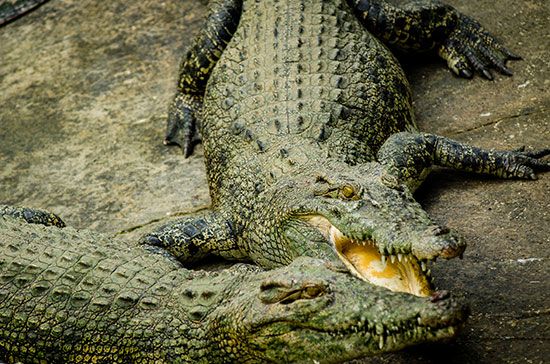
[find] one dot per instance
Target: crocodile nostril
(454, 250)
(440, 230)
(439, 295)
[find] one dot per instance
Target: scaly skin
(69, 296)
(309, 134)
(12, 9)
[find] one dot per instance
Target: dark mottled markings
(207, 294)
(261, 145)
(277, 124)
(197, 314)
(188, 293)
(190, 230)
(322, 134)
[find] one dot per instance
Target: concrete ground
(84, 89)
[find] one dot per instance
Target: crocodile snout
(439, 242)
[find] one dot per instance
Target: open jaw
(399, 273)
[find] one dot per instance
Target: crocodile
(309, 135)
(69, 296)
(13, 9)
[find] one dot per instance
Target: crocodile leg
(195, 237)
(195, 69)
(407, 158)
(13, 9)
(426, 24)
(32, 216)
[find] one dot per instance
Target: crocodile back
(79, 296)
(299, 81)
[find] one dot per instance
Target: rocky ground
(84, 89)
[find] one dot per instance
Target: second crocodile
(69, 296)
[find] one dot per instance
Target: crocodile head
(310, 311)
(379, 232)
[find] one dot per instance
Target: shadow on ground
(84, 92)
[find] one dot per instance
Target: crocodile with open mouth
(309, 136)
(69, 296)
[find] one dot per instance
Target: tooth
(405, 258)
(392, 258)
(429, 272)
(419, 320)
(423, 266)
(381, 343)
(400, 257)
(383, 259)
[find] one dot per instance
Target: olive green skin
(303, 112)
(69, 296)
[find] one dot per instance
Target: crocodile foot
(470, 48)
(32, 216)
(182, 125)
(523, 164)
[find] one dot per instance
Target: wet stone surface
(84, 94)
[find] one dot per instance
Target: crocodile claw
(470, 48)
(182, 127)
(524, 164)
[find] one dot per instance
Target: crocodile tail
(12, 9)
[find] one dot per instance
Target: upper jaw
(436, 242)
(402, 269)
(400, 272)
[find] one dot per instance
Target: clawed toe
(470, 47)
(536, 153)
(182, 124)
(525, 164)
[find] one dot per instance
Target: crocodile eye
(304, 293)
(277, 293)
(291, 297)
(348, 192)
(312, 291)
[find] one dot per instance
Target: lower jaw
(397, 340)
